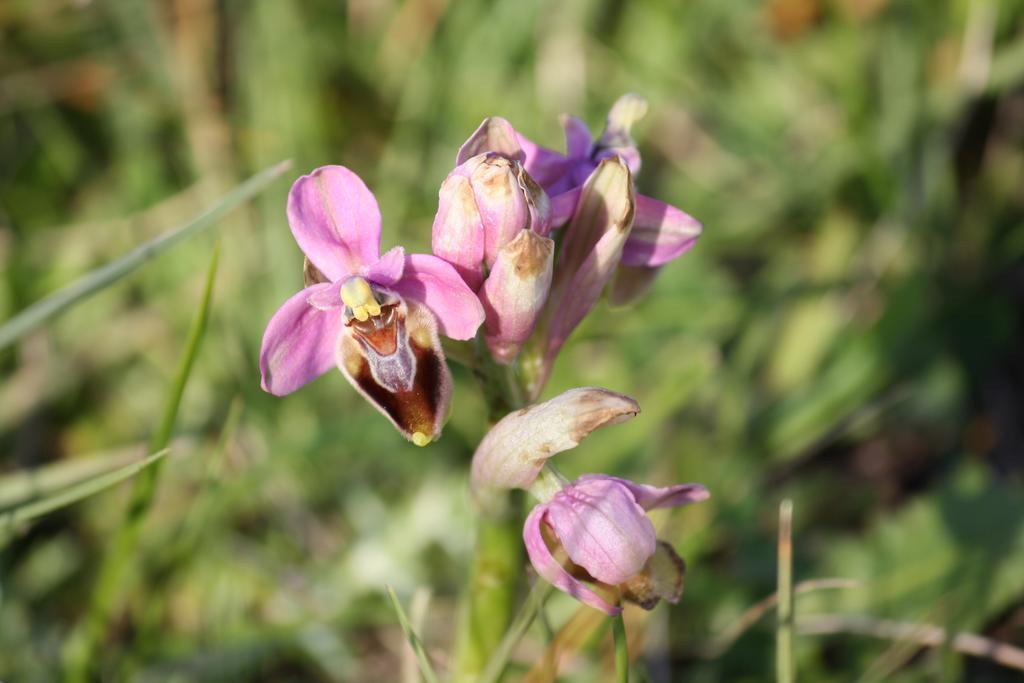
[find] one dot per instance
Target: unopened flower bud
(601, 522)
(515, 292)
(484, 203)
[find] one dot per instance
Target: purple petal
(436, 284)
(458, 232)
(651, 497)
(298, 345)
(602, 528)
(335, 220)
(549, 568)
(660, 233)
(495, 134)
(578, 140)
(547, 167)
(630, 283)
(388, 269)
(563, 206)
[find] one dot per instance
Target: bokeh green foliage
(847, 332)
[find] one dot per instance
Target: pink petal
(548, 568)
(495, 134)
(563, 206)
(458, 232)
(335, 220)
(298, 345)
(326, 297)
(651, 497)
(388, 269)
(578, 140)
(602, 528)
(547, 167)
(660, 233)
(436, 283)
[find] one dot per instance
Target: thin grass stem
(414, 640)
(81, 648)
(784, 667)
(106, 275)
(531, 608)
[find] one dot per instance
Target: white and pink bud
(601, 524)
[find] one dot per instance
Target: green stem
(82, 646)
(621, 650)
(784, 667)
(527, 613)
(497, 564)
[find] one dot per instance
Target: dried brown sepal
(311, 275)
(661, 579)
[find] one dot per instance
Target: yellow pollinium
(357, 295)
(420, 439)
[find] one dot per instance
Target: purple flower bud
(601, 524)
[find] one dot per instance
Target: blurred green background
(847, 332)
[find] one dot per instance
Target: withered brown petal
(661, 579)
(311, 275)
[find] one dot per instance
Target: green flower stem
(621, 650)
(530, 610)
(490, 596)
(497, 565)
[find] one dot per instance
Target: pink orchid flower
(601, 523)
(661, 232)
(376, 318)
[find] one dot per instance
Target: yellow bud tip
(357, 295)
(420, 439)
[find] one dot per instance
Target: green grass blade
(33, 483)
(531, 608)
(785, 669)
(81, 648)
(414, 641)
(41, 311)
(55, 500)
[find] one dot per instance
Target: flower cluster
(525, 241)
(593, 531)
